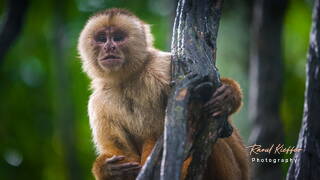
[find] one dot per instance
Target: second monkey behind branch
(130, 83)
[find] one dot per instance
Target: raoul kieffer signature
(273, 149)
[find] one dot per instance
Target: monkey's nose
(109, 47)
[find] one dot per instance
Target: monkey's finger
(222, 97)
(217, 104)
(220, 90)
(224, 108)
(209, 107)
(212, 107)
(115, 159)
(132, 169)
(214, 113)
(124, 166)
(217, 114)
(217, 101)
(211, 103)
(128, 171)
(116, 173)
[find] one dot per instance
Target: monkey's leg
(240, 153)
(222, 164)
(228, 160)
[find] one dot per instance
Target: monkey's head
(114, 42)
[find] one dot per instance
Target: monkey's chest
(143, 119)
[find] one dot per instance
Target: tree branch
(266, 70)
(12, 25)
(194, 79)
(306, 162)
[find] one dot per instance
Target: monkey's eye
(101, 37)
(118, 37)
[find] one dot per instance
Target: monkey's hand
(222, 103)
(225, 100)
(116, 168)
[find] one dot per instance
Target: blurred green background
(44, 129)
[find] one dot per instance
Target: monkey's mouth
(110, 59)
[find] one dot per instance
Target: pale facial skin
(111, 43)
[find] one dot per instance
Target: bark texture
(307, 161)
(12, 24)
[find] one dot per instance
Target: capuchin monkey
(130, 83)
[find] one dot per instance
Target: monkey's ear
(149, 37)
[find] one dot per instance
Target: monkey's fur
(127, 106)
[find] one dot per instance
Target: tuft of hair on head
(118, 12)
(114, 11)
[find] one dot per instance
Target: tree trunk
(194, 78)
(12, 25)
(266, 71)
(306, 164)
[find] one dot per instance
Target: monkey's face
(110, 43)
(114, 45)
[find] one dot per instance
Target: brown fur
(127, 106)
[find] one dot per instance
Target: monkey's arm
(229, 159)
(115, 160)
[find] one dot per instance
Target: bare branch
(306, 162)
(194, 79)
(12, 25)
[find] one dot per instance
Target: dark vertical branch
(173, 3)
(193, 71)
(65, 107)
(306, 164)
(12, 24)
(151, 169)
(266, 71)
(194, 78)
